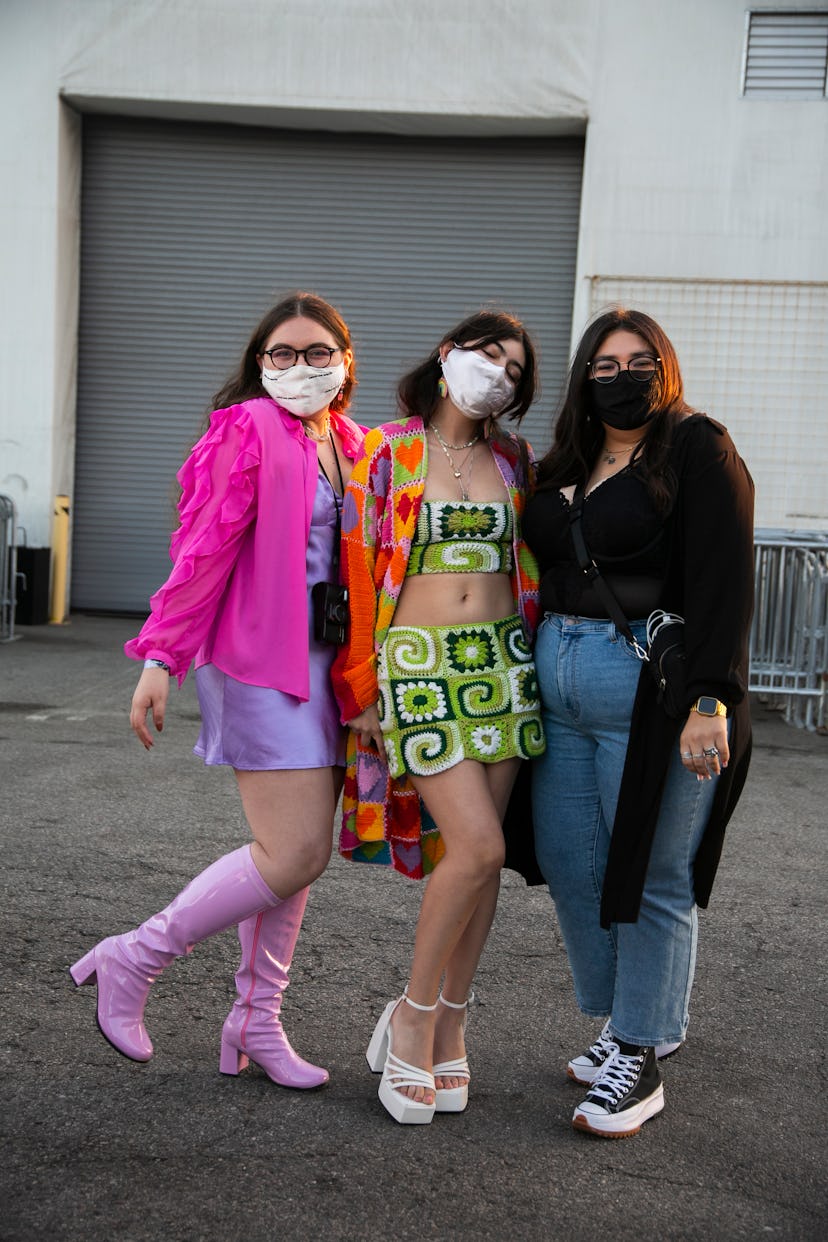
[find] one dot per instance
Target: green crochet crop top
(462, 537)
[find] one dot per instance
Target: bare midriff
(454, 599)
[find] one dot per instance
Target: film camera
(330, 612)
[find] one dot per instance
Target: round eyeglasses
(284, 356)
(641, 368)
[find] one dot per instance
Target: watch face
(707, 706)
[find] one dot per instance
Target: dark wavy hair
(417, 391)
(579, 436)
(245, 382)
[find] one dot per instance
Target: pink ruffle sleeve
(217, 505)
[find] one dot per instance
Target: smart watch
(706, 705)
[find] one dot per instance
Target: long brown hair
(245, 382)
(579, 436)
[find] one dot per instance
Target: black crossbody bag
(664, 653)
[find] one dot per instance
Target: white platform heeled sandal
(397, 1074)
(453, 1099)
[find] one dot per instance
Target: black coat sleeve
(711, 571)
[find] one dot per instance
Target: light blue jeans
(640, 974)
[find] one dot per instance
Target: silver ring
(700, 755)
(711, 752)
(687, 754)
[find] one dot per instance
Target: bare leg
(461, 967)
(290, 814)
(466, 880)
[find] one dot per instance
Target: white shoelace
(617, 1077)
(603, 1047)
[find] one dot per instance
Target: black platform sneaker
(587, 1067)
(627, 1093)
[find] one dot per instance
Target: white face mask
(478, 387)
(302, 390)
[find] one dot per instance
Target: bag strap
(339, 500)
(593, 573)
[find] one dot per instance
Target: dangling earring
(442, 387)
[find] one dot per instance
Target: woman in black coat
(630, 802)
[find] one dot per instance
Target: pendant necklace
(609, 456)
(445, 446)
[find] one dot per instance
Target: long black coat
(710, 583)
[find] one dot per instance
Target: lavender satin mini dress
(258, 729)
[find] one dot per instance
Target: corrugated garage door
(190, 232)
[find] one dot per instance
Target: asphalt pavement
(96, 835)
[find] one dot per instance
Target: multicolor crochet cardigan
(383, 820)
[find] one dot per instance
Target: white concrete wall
(683, 177)
(36, 376)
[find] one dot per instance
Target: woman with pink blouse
(252, 602)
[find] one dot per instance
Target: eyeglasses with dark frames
(641, 368)
(284, 356)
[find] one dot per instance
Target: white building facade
(170, 167)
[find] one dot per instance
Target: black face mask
(624, 404)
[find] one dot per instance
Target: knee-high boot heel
(125, 967)
(253, 1029)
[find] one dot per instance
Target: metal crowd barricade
(8, 568)
(789, 636)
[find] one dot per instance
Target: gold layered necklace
(319, 436)
(458, 448)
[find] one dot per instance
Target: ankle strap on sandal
(414, 1005)
(454, 1005)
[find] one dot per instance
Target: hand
(151, 693)
(700, 734)
(367, 728)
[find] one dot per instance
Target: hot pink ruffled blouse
(237, 594)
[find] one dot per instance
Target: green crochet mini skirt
(454, 692)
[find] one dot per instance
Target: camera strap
(338, 500)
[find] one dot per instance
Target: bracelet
(158, 664)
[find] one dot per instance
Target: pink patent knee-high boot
(253, 1029)
(126, 966)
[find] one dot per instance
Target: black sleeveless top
(626, 537)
